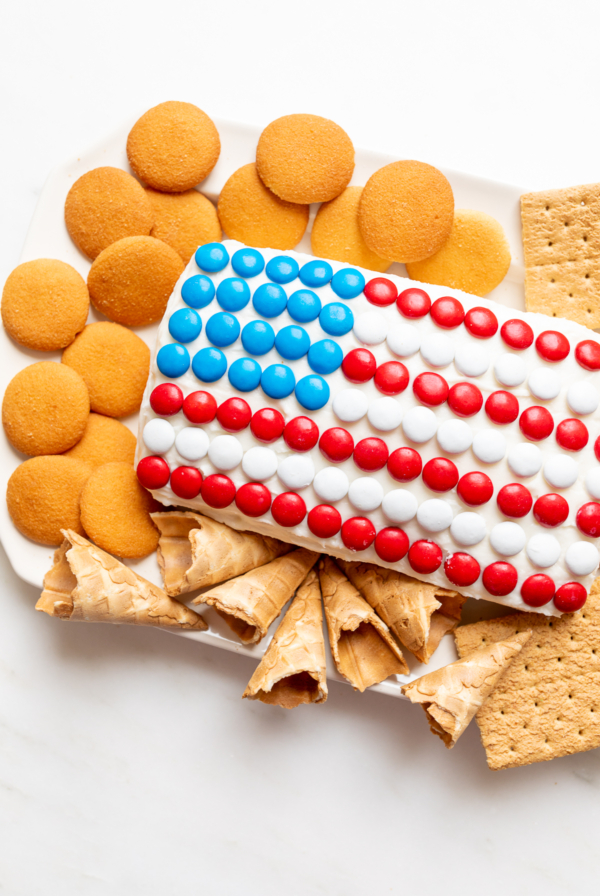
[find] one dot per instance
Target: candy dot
(588, 519)
(489, 446)
(592, 482)
(462, 569)
(192, 443)
(537, 590)
(185, 325)
(472, 360)
(358, 533)
(200, 407)
(544, 383)
(481, 322)
(173, 360)
(350, 405)
(301, 434)
(347, 283)
(510, 370)
(543, 550)
(233, 294)
(324, 521)
(269, 300)
(253, 499)
(437, 350)
(153, 472)
(525, 459)
(267, 425)
(587, 354)
(247, 262)
(425, 556)
(536, 423)
(336, 319)
(336, 445)
(517, 334)
(217, 491)
(454, 436)
(359, 365)
(209, 364)
(384, 414)
(391, 378)
(371, 328)
(404, 464)
(502, 408)
(222, 329)
(158, 436)
(198, 291)
(277, 381)
(365, 494)
(296, 471)
(258, 337)
(419, 424)
(312, 392)
(166, 399)
(431, 389)
(292, 342)
(475, 488)
(561, 471)
(331, 484)
(550, 510)
(304, 306)
(186, 482)
(259, 463)
(404, 340)
(434, 515)
(288, 509)
(507, 539)
(572, 434)
(316, 273)
(225, 452)
(514, 500)
(413, 302)
(371, 454)
(465, 399)
(570, 597)
(391, 544)
(244, 374)
(447, 312)
(282, 269)
(440, 474)
(552, 346)
(380, 291)
(500, 578)
(212, 257)
(582, 558)
(325, 356)
(583, 398)
(234, 414)
(468, 528)
(399, 505)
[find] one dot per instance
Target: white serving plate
(48, 238)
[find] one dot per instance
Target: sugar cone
(87, 584)
(451, 696)
(251, 602)
(418, 614)
(292, 671)
(195, 551)
(363, 649)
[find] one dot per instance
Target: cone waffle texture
(87, 584)
(363, 649)
(292, 671)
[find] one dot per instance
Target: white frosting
(434, 515)
(508, 539)
(544, 383)
(399, 505)
(296, 471)
(385, 414)
(420, 424)
(543, 550)
(455, 436)
(592, 482)
(472, 359)
(365, 494)
(404, 340)
(225, 452)
(583, 398)
(582, 558)
(158, 436)
(510, 370)
(371, 328)
(259, 463)
(437, 350)
(192, 443)
(561, 471)
(331, 484)
(525, 459)
(350, 405)
(489, 445)
(468, 528)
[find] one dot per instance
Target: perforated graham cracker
(548, 703)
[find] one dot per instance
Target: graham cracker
(548, 702)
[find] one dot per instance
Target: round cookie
(252, 214)
(104, 441)
(43, 497)
(45, 304)
(45, 409)
(305, 158)
(105, 205)
(115, 511)
(131, 281)
(336, 234)
(406, 211)
(114, 363)
(475, 258)
(184, 221)
(173, 147)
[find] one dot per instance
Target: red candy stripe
(186, 482)
(391, 544)
(380, 291)
(440, 474)
(431, 389)
(517, 334)
(475, 488)
(217, 491)
(425, 556)
(551, 510)
(447, 312)
(153, 472)
(391, 378)
(500, 578)
(336, 445)
(536, 423)
(572, 434)
(481, 322)
(253, 499)
(588, 519)
(324, 521)
(288, 509)
(502, 407)
(301, 434)
(267, 425)
(359, 365)
(413, 302)
(514, 500)
(537, 590)
(200, 407)
(570, 597)
(234, 414)
(462, 569)
(552, 346)
(166, 399)
(371, 454)
(404, 464)
(465, 399)
(358, 533)
(587, 354)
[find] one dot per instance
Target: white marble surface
(128, 763)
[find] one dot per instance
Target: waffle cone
(452, 695)
(87, 584)
(363, 649)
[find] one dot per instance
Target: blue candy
(278, 381)
(244, 374)
(336, 319)
(258, 337)
(247, 262)
(282, 269)
(198, 291)
(222, 329)
(173, 360)
(325, 356)
(348, 283)
(316, 273)
(185, 325)
(209, 364)
(269, 300)
(292, 342)
(304, 305)
(233, 294)
(312, 392)
(212, 257)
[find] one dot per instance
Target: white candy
(419, 424)
(331, 484)
(350, 405)
(508, 539)
(472, 359)
(510, 370)
(259, 463)
(561, 471)
(434, 515)
(437, 350)
(371, 328)
(365, 494)
(225, 452)
(158, 436)
(543, 550)
(468, 528)
(384, 414)
(592, 482)
(399, 505)
(192, 443)
(525, 459)
(489, 446)
(582, 558)
(544, 383)
(455, 436)
(296, 471)
(583, 398)
(404, 340)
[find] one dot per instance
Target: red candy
(537, 590)
(431, 389)
(481, 322)
(288, 509)
(448, 313)
(587, 354)
(502, 407)
(200, 407)
(359, 365)
(371, 454)
(440, 474)
(391, 544)
(380, 291)
(597, 448)
(475, 489)
(570, 597)
(514, 500)
(572, 434)
(500, 578)
(253, 499)
(551, 510)
(552, 345)
(391, 378)
(517, 334)
(465, 399)
(588, 519)
(301, 434)
(186, 482)
(267, 425)
(425, 556)
(358, 533)
(536, 423)
(324, 521)
(234, 414)
(336, 445)
(413, 302)
(166, 399)
(462, 569)
(153, 472)
(404, 464)
(217, 490)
